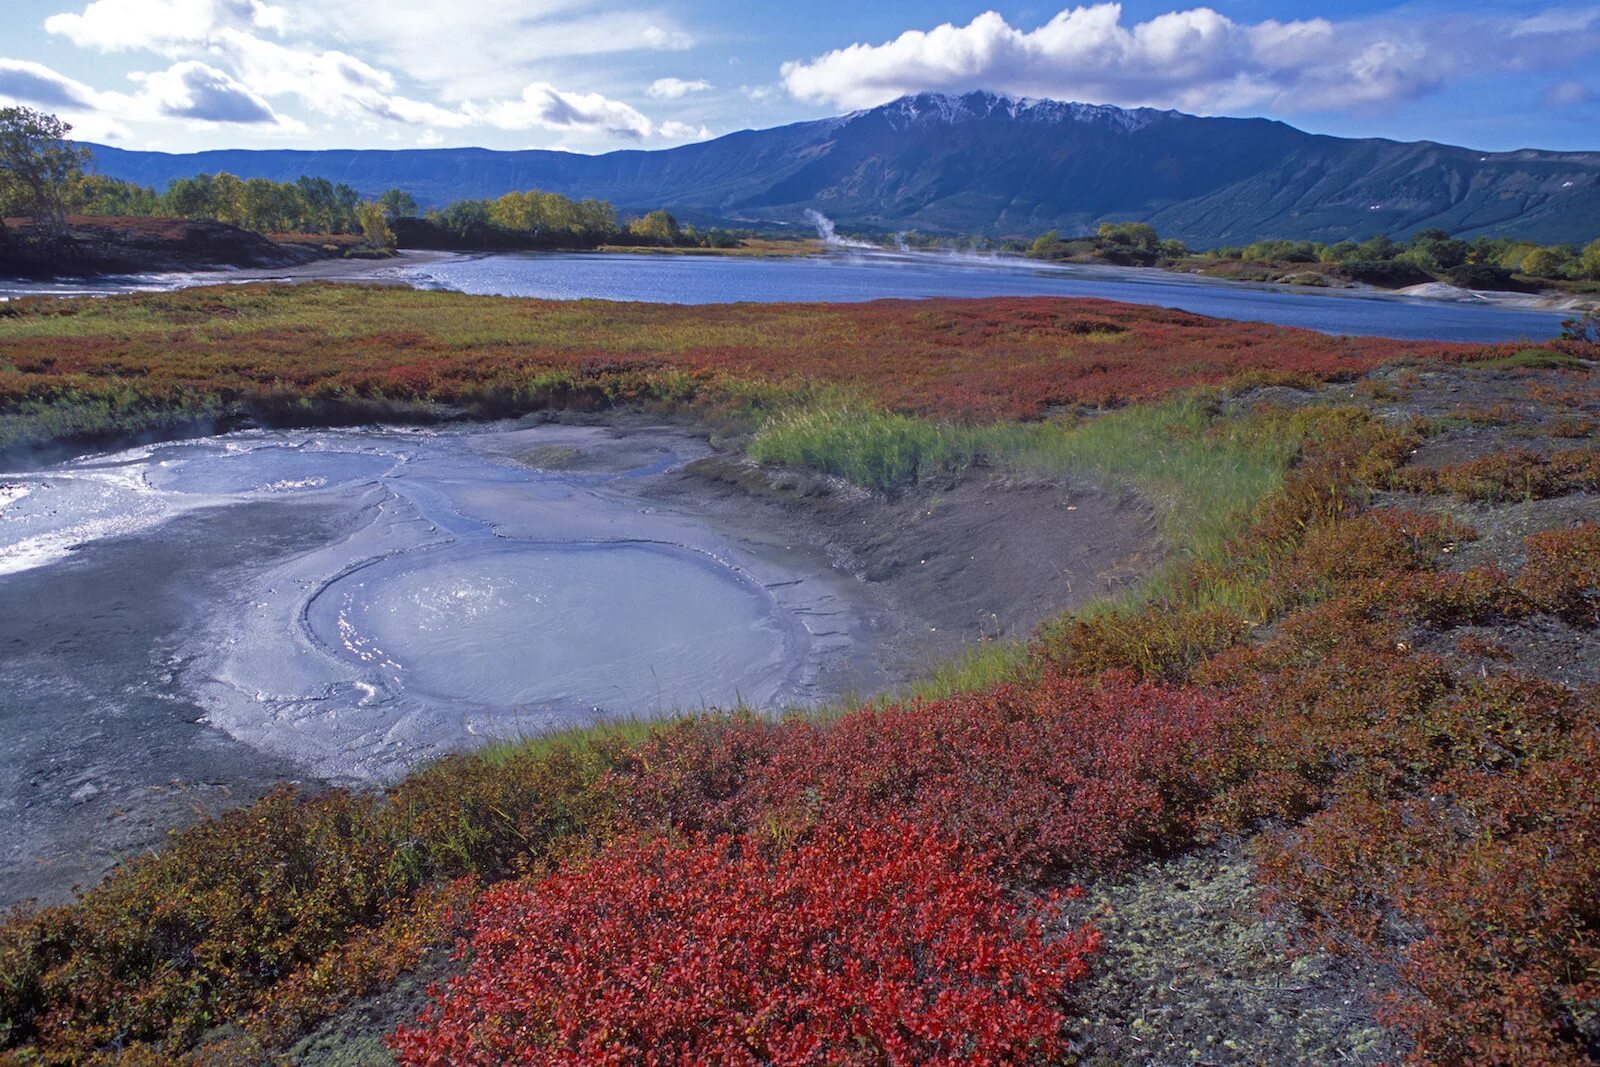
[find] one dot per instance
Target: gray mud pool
(184, 624)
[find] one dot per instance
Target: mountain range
(982, 163)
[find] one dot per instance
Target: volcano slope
(1323, 786)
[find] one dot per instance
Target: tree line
(537, 219)
(44, 177)
(1482, 263)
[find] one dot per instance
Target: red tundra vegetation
(872, 944)
(299, 352)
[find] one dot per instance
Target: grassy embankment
(1408, 809)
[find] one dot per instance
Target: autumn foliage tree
(39, 169)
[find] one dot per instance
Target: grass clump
(1531, 359)
(873, 448)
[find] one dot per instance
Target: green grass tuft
(1531, 359)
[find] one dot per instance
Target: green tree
(596, 218)
(100, 195)
(658, 225)
(1139, 235)
(1435, 250)
(1547, 262)
(1589, 260)
(398, 204)
(191, 198)
(466, 220)
(40, 171)
(1045, 242)
(1379, 247)
(374, 222)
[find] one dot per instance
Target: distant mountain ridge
(998, 165)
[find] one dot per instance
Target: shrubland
(881, 883)
(309, 354)
(1427, 255)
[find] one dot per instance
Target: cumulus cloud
(544, 106)
(35, 83)
(328, 81)
(491, 48)
(189, 90)
(675, 88)
(236, 57)
(193, 90)
(1195, 59)
(160, 25)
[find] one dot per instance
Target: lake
(845, 277)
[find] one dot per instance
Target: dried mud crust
(1193, 972)
(972, 557)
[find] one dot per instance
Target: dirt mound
(112, 245)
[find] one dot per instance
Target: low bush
(1480, 893)
(1388, 273)
(1511, 474)
(1480, 276)
(887, 944)
(1562, 574)
(278, 895)
(1059, 777)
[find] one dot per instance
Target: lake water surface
(845, 277)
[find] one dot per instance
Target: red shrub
(1481, 894)
(889, 945)
(1562, 574)
(1060, 775)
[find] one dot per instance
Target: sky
(598, 75)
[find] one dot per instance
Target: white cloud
(669, 38)
(543, 105)
(193, 90)
(34, 83)
(683, 131)
(675, 88)
(231, 66)
(189, 90)
(486, 47)
(160, 25)
(331, 82)
(1196, 59)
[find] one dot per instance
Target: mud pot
(185, 625)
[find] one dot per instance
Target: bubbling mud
(487, 583)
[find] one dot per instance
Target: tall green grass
(1202, 467)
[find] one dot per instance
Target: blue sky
(593, 75)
